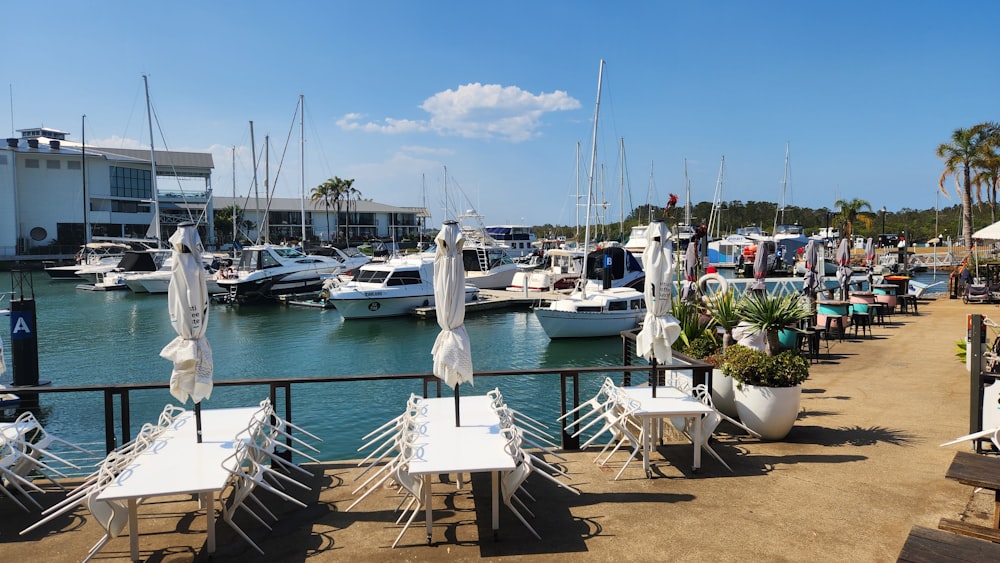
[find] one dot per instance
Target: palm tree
(325, 194)
(988, 174)
(349, 193)
(852, 211)
(967, 152)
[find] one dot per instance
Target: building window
(31, 163)
(131, 182)
(52, 164)
(73, 165)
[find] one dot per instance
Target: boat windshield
(372, 276)
(288, 252)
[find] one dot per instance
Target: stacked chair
(519, 429)
(111, 515)
(27, 448)
(256, 464)
(392, 443)
(616, 412)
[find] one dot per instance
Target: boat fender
(703, 283)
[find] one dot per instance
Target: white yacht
(133, 263)
(559, 269)
(268, 271)
(103, 254)
(391, 288)
(487, 266)
(517, 240)
(598, 309)
(590, 314)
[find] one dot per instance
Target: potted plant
(722, 307)
(768, 388)
(697, 339)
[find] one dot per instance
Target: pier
(498, 299)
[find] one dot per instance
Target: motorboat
(102, 254)
(517, 240)
(725, 252)
(487, 266)
(559, 269)
(132, 263)
(605, 312)
(268, 271)
(391, 288)
(159, 281)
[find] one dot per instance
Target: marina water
(94, 338)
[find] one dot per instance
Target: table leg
(428, 513)
(647, 442)
(210, 519)
(495, 478)
(133, 528)
(697, 442)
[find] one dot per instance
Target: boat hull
(577, 324)
(254, 290)
(380, 303)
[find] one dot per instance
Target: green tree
(349, 193)
(853, 211)
(326, 194)
(966, 153)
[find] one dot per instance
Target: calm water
(115, 337)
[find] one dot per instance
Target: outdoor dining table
(474, 447)
(670, 402)
(175, 463)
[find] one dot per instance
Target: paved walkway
(862, 465)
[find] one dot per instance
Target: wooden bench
(926, 545)
(978, 470)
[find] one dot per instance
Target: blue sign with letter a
(22, 325)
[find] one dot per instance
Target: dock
(498, 299)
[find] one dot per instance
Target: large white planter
(769, 411)
(723, 396)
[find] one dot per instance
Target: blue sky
(501, 93)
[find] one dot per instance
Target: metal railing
(117, 397)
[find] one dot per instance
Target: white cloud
(476, 110)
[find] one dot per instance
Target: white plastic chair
(513, 481)
(248, 475)
(112, 515)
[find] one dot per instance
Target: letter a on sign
(20, 327)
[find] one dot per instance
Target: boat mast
(781, 205)
(650, 192)
(302, 166)
(687, 195)
(256, 191)
(621, 197)
(83, 170)
(152, 164)
(236, 234)
(715, 217)
(590, 183)
(267, 190)
(578, 191)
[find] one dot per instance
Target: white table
(177, 464)
(475, 446)
(669, 402)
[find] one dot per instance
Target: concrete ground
(862, 465)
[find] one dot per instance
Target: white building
(45, 181)
(51, 189)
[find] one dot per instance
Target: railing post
(110, 440)
(569, 442)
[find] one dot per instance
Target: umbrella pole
(457, 419)
(197, 419)
(656, 376)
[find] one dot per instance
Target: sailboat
(593, 310)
